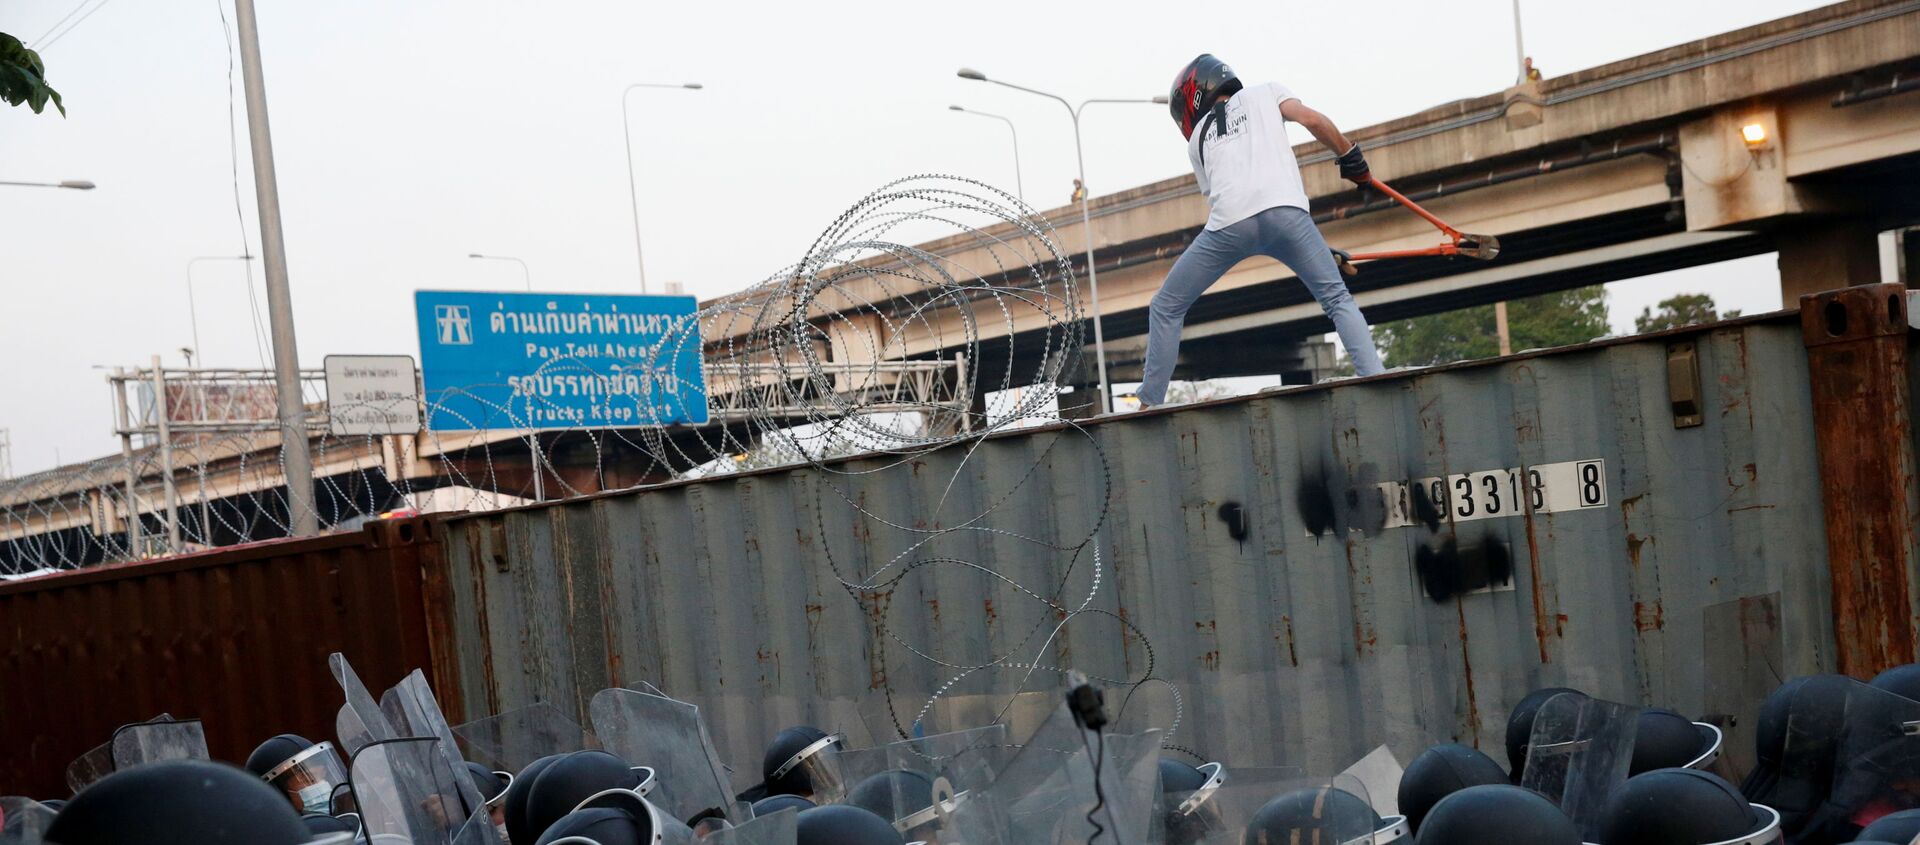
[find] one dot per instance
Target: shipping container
(237, 638)
(1311, 571)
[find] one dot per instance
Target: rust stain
(1560, 625)
(1466, 671)
(1539, 599)
(1645, 619)
(1634, 542)
(1293, 656)
(933, 609)
(1211, 660)
(992, 617)
(1861, 408)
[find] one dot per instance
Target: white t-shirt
(1251, 167)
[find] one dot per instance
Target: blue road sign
(543, 360)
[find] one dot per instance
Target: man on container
(1237, 143)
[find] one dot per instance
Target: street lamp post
(633, 188)
(1086, 214)
(193, 311)
(1018, 181)
(72, 184)
(525, 274)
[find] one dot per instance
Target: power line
(73, 26)
(239, 212)
(57, 24)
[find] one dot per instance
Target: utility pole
(161, 409)
(124, 422)
(297, 465)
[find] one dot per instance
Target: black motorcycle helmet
(1496, 813)
(1900, 827)
(1903, 681)
(514, 803)
(575, 777)
(1313, 814)
(779, 766)
(1520, 727)
(1816, 707)
(1202, 83)
(893, 793)
(604, 825)
(775, 803)
(182, 802)
(840, 824)
(1177, 778)
(492, 785)
(1664, 739)
(1439, 772)
(275, 751)
(1683, 807)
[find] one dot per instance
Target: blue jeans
(1284, 233)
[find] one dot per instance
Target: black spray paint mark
(1424, 510)
(1235, 517)
(1452, 570)
(1315, 502)
(1355, 503)
(1445, 566)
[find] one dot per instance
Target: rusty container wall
(1246, 542)
(236, 638)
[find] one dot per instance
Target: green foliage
(23, 78)
(1555, 319)
(1685, 309)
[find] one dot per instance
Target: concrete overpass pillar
(1823, 254)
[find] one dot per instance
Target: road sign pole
(297, 463)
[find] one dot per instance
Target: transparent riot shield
(780, 828)
(310, 778)
(405, 788)
(1047, 792)
(360, 721)
(157, 742)
(514, 738)
(1272, 805)
(1872, 769)
(898, 781)
(97, 762)
(1578, 754)
(23, 821)
(414, 699)
(670, 737)
(396, 714)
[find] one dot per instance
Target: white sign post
(372, 394)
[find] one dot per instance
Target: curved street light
(1019, 182)
(525, 274)
(1086, 213)
(71, 184)
(633, 188)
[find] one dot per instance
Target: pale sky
(408, 135)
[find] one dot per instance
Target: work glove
(1353, 167)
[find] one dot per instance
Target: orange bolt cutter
(1483, 247)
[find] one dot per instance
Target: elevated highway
(1619, 171)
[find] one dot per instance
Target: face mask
(317, 798)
